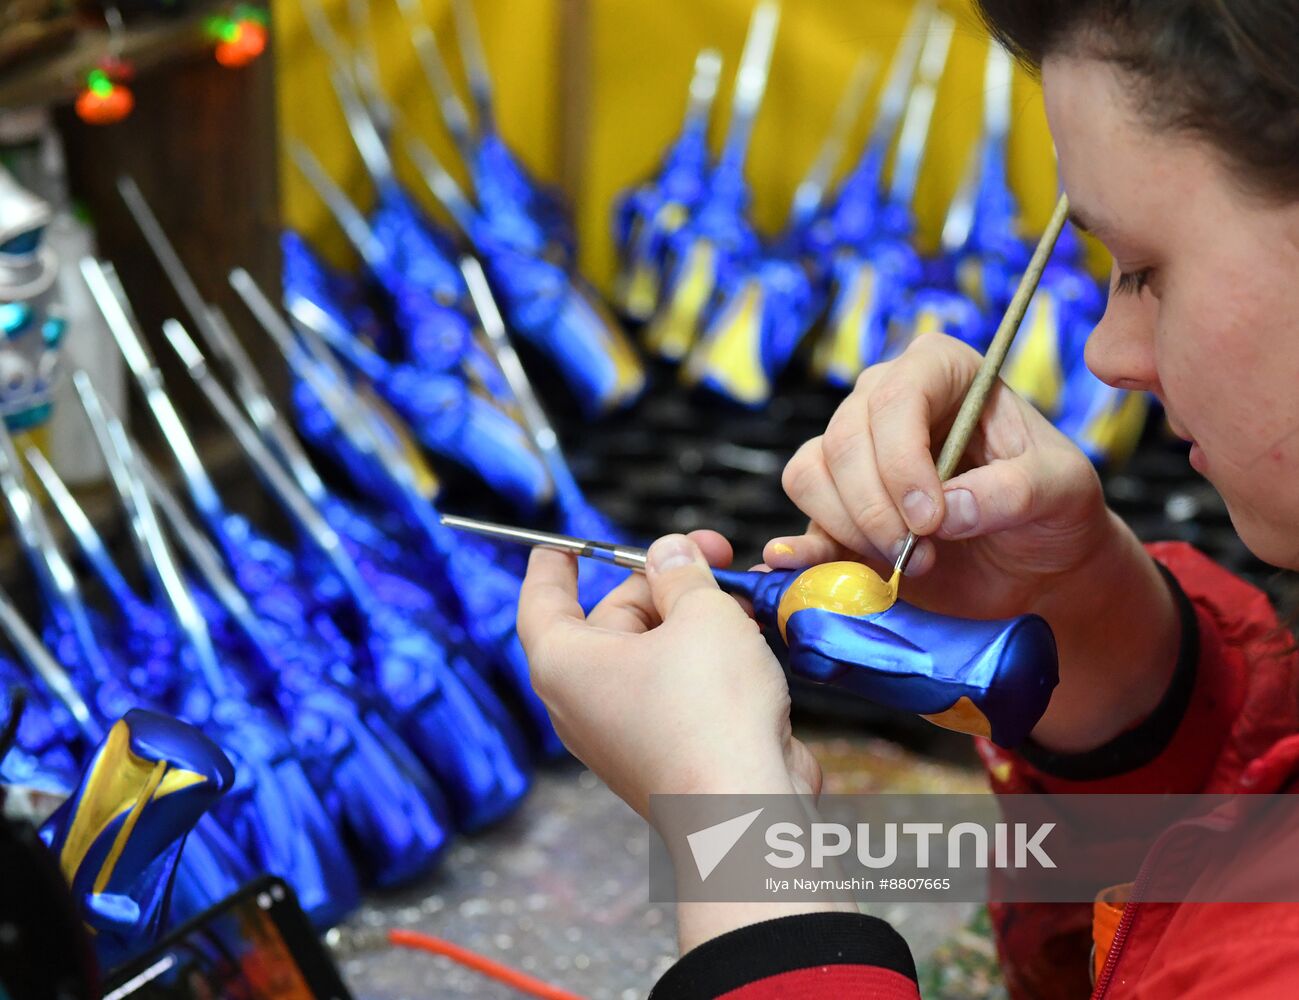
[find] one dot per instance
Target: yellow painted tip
(849, 588)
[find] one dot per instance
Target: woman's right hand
(1023, 527)
(1027, 510)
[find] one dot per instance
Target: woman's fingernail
(782, 549)
(671, 552)
(918, 508)
(962, 514)
(920, 558)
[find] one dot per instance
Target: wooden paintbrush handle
(967, 418)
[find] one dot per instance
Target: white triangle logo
(711, 844)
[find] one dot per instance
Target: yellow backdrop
(590, 92)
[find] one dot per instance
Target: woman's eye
(1132, 283)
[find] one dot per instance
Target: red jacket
(1229, 723)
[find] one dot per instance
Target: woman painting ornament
(1177, 129)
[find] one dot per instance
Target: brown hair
(1226, 70)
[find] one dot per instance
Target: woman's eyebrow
(1091, 226)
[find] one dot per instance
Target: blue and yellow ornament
(844, 626)
(119, 836)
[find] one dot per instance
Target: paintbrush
(967, 418)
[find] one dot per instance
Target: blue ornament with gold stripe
(1052, 338)
(711, 252)
(754, 332)
(869, 290)
(119, 836)
(873, 264)
(844, 626)
(649, 213)
(212, 866)
(766, 308)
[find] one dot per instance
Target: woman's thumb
(676, 566)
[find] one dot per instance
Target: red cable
(479, 963)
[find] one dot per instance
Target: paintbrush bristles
(967, 418)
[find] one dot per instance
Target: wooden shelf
(59, 76)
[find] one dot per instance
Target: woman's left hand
(668, 686)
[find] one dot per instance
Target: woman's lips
(1196, 456)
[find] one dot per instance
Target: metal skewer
(967, 418)
(454, 112)
(215, 329)
(626, 556)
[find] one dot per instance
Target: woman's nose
(1121, 349)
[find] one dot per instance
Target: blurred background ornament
(240, 36)
(106, 99)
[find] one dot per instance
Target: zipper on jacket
(1121, 934)
(1124, 929)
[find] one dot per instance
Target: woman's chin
(1276, 544)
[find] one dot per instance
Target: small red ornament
(104, 102)
(241, 43)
